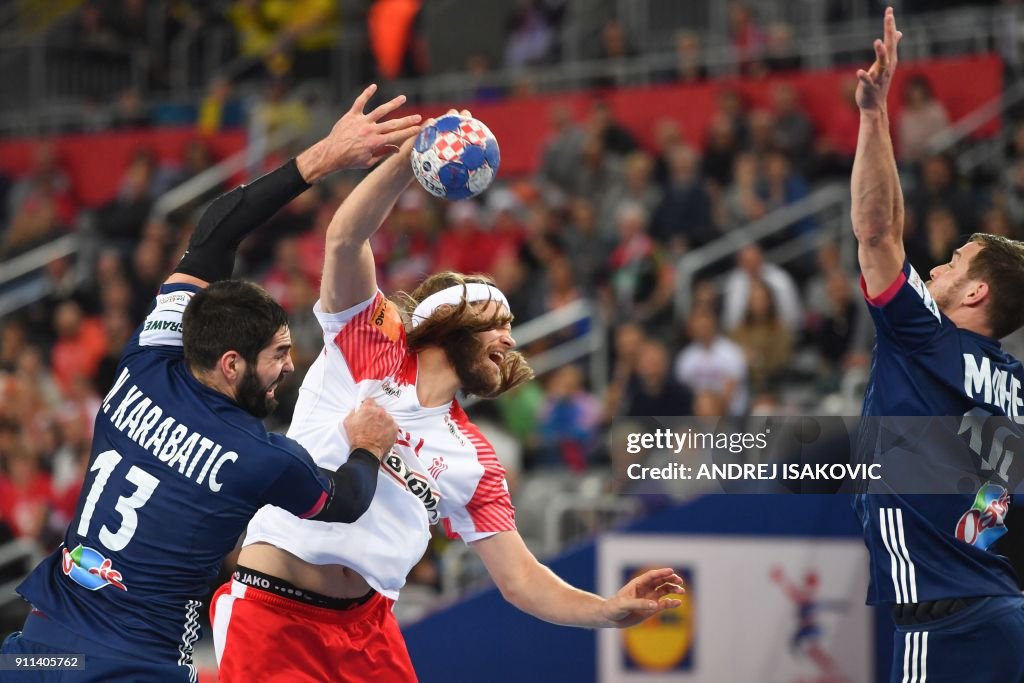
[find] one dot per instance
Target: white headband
(454, 295)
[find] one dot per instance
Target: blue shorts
(983, 643)
(42, 637)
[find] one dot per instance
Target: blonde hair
(454, 329)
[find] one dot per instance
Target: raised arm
(877, 200)
(349, 276)
(357, 140)
(536, 590)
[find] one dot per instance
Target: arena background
(657, 158)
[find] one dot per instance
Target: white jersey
(441, 467)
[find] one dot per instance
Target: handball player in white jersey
(312, 601)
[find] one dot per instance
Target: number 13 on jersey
(145, 484)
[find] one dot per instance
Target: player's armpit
(354, 485)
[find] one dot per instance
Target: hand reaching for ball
(359, 139)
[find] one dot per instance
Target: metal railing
(197, 54)
(43, 68)
(990, 152)
(590, 343)
(17, 295)
(947, 33)
(834, 200)
(38, 78)
(829, 205)
(569, 519)
(247, 158)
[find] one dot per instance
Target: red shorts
(261, 636)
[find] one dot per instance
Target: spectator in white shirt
(713, 363)
(750, 266)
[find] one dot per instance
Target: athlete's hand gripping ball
(371, 427)
(455, 156)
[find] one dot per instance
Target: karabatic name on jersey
(932, 547)
(176, 471)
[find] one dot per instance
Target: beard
(475, 370)
(252, 395)
(944, 299)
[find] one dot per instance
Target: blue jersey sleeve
(161, 331)
(301, 488)
(905, 314)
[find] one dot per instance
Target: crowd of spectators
(604, 219)
(262, 45)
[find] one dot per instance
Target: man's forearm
(365, 209)
(547, 597)
(355, 482)
(877, 200)
(314, 163)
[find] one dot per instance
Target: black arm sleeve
(225, 223)
(355, 482)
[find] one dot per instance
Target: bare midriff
(332, 580)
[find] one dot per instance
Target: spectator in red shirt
(81, 344)
(25, 493)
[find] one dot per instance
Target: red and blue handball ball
(456, 157)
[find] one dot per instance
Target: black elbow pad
(226, 222)
(207, 260)
(355, 483)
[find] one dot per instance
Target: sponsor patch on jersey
(390, 388)
(386, 319)
(175, 300)
(454, 431)
(437, 467)
(163, 325)
(984, 523)
(918, 285)
(414, 482)
(89, 569)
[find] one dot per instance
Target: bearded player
(312, 601)
(956, 603)
(180, 457)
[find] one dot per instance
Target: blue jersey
(932, 547)
(177, 470)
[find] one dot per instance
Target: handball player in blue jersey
(956, 602)
(180, 457)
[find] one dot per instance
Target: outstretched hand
(643, 597)
(873, 88)
(358, 139)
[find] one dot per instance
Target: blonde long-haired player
(313, 601)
